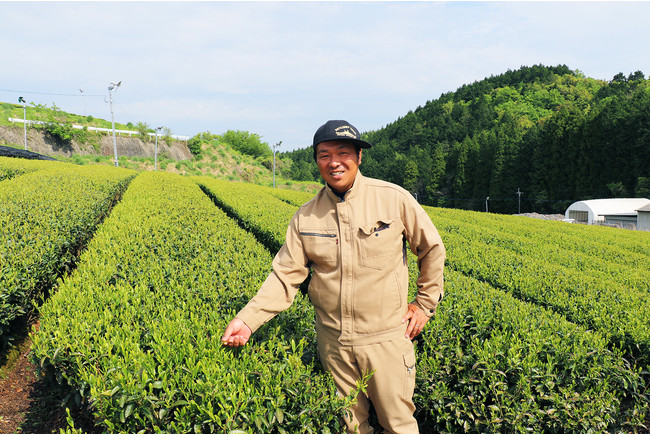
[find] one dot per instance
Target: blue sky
(281, 69)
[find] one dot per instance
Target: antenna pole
(277, 145)
(21, 99)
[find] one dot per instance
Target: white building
(619, 212)
(643, 220)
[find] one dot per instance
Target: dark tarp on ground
(6, 151)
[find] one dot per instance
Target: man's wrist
(248, 321)
(428, 311)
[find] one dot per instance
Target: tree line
(534, 139)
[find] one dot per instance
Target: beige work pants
(390, 389)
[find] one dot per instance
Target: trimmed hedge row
(253, 207)
(46, 218)
(10, 167)
(135, 330)
(292, 197)
(628, 248)
(536, 245)
(492, 363)
(610, 307)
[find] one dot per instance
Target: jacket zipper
(316, 234)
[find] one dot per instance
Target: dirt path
(16, 390)
(26, 403)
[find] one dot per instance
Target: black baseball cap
(339, 130)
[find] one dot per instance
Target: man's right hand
(237, 334)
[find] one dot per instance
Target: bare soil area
(27, 404)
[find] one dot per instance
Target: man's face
(338, 164)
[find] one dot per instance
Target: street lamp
(486, 203)
(21, 99)
(112, 86)
(155, 163)
(277, 145)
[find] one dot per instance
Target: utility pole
(519, 193)
(155, 164)
(277, 145)
(110, 95)
(21, 99)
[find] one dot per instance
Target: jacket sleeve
(278, 291)
(425, 242)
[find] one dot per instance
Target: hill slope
(213, 157)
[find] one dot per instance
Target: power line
(45, 93)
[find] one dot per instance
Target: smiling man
(338, 163)
(353, 235)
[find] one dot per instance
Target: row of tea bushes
(491, 363)
(46, 218)
(606, 268)
(253, 207)
(627, 248)
(609, 306)
(10, 167)
(135, 330)
(292, 197)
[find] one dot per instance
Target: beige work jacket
(357, 251)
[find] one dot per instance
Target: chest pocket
(380, 243)
(321, 247)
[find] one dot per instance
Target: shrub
(143, 129)
(46, 217)
(246, 143)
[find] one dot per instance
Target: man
(353, 236)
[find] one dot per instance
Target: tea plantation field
(544, 326)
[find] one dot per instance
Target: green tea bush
(492, 363)
(292, 197)
(135, 330)
(46, 218)
(253, 207)
(595, 247)
(609, 304)
(10, 167)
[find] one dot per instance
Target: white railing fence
(109, 130)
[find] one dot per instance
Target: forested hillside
(550, 133)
